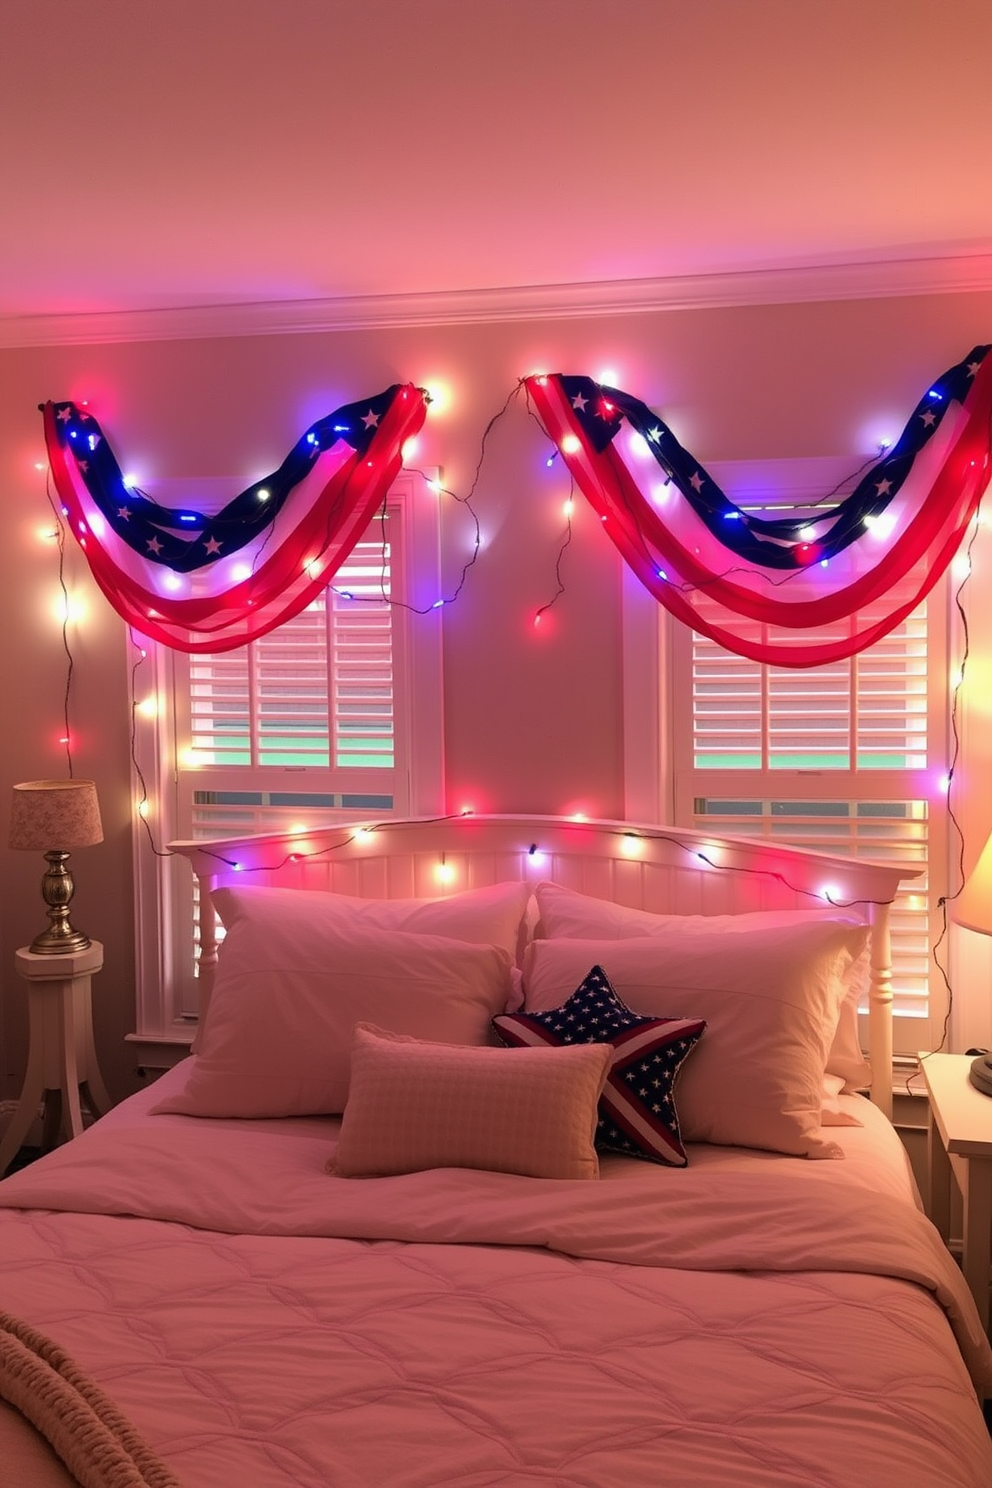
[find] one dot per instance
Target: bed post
(206, 956)
(880, 1009)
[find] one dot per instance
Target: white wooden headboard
(663, 869)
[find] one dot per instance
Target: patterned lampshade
(58, 814)
(973, 906)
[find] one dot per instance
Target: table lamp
(52, 816)
(973, 909)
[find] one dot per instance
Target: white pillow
(492, 915)
(292, 982)
(770, 998)
(566, 913)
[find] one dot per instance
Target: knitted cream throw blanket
(97, 1444)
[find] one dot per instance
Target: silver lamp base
(61, 942)
(57, 889)
(981, 1074)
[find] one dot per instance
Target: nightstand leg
(20, 1122)
(977, 1238)
(52, 1120)
(61, 1057)
(939, 1172)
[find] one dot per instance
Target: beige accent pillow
(415, 1105)
(565, 913)
(770, 998)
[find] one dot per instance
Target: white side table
(961, 1141)
(61, 1058)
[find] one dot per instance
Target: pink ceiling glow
(190, 153)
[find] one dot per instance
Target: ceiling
(157, 154)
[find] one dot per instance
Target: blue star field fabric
(637, 1112)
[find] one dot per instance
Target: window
(334, 716)
(840, 759)
(850, 758)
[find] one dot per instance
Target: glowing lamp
(571, 444)
(45, 813)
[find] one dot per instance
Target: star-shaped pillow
(637, 1107)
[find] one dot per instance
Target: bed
(513, 1151)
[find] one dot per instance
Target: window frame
(163, 886)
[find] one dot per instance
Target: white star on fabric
(973, 368)
(371, 420)
(64, 414)
(654, 434)
(579, 402)
(153, 545)
(696, 481)
(883, 487)
(929, 418)
(84, 465)
(213, 546)
(124, 512)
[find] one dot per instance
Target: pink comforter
(263, 1323)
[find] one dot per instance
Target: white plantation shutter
(316, 692)
(867, 713)
(314, 698)
(362, 639)
(841, 759)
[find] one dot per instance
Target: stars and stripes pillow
(637, 1112)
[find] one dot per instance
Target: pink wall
(532, 718)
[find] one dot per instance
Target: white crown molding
(853, 281)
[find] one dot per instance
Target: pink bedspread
(263, 1323)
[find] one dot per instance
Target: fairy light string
(781, 548)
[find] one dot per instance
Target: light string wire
(945, 899)
(139, 661)
(465, 500)
(560, 557)
(361, 830)
(59, 535)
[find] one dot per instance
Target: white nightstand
(61, 1058)
(961, 1141)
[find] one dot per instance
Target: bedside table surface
(962, 1113)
